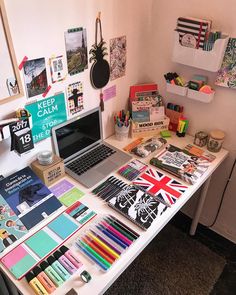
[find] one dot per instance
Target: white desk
(101, 281)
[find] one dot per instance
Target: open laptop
(87, 157)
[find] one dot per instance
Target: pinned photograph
(35, 77)
(117, 57)
(74, 98)
(76, 50)
(57, 68)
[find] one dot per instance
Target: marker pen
(35, 284)
(44, 279)
(65, 262)
(60, 269)
(69, 254)
(51, 273)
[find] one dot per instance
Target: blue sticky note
(63, 226)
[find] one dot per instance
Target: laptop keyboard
(89, 160)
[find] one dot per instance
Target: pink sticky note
(14, 256)
(109, 93)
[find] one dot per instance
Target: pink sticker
(24, 60)
(47, 90)
(14, 256)
(109, 93)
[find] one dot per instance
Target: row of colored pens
(122, 118)
(106, 241)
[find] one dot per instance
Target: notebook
(79, 141)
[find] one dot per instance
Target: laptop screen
(78, 135)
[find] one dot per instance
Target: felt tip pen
(52, 274)
(98, 250)
(70, 255)
(44, 279)
(102, 249)
(35, 284)
(103, 245)
(109, 242)
(125, 226)
(65, 262)
(91, 256)
(60, 269)
(120, 229)
(94, 253)
(111, 236)
(119, 234)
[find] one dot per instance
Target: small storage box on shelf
(200, 96)
(198, 58)
(180, 90)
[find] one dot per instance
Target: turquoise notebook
(63, 226)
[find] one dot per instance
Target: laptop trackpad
(107, 167)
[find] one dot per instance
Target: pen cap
(37, 270)
(44, 265)
(57, 254)
(29, 276)
(51, 259)
(63, 249)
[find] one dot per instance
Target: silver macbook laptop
(87, 157)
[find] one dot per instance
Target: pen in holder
(182, 127)
(122, 125)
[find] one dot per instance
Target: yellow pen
(182, 126)
(103, 245)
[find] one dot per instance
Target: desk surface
(101, 281)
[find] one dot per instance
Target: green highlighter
(165, 133)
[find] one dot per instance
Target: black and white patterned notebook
(138, 206)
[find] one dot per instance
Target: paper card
(68, 228)
(61, 187)
(41, 243)
(71, 197)
(80, 212)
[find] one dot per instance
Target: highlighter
(60, 269)
(44, 279)
(65, 262)
(68, 253)
(51, 273)
(35, 284)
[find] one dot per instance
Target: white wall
(220, 113)
(37, 29)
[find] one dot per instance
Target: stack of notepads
(145, 200)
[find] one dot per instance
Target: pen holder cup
(121, 132)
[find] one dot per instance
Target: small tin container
(216, 139)
(200, 138)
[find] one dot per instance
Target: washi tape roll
(85, 276)
(45, 157)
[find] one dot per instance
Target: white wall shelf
(193, 94)
(207, 60)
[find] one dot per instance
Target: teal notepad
(41, 243)
(63, 226)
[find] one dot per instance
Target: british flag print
(156, 183)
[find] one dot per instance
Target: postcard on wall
(226, 76)
(117, 57)
(35, 77)
(12, 86)
(76, 50)
(57, 68)
(28, 197)
(74, 98)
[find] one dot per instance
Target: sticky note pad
(71, 197)
(63, 226)
(18, 261)
(165, 133)
(41, 243)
